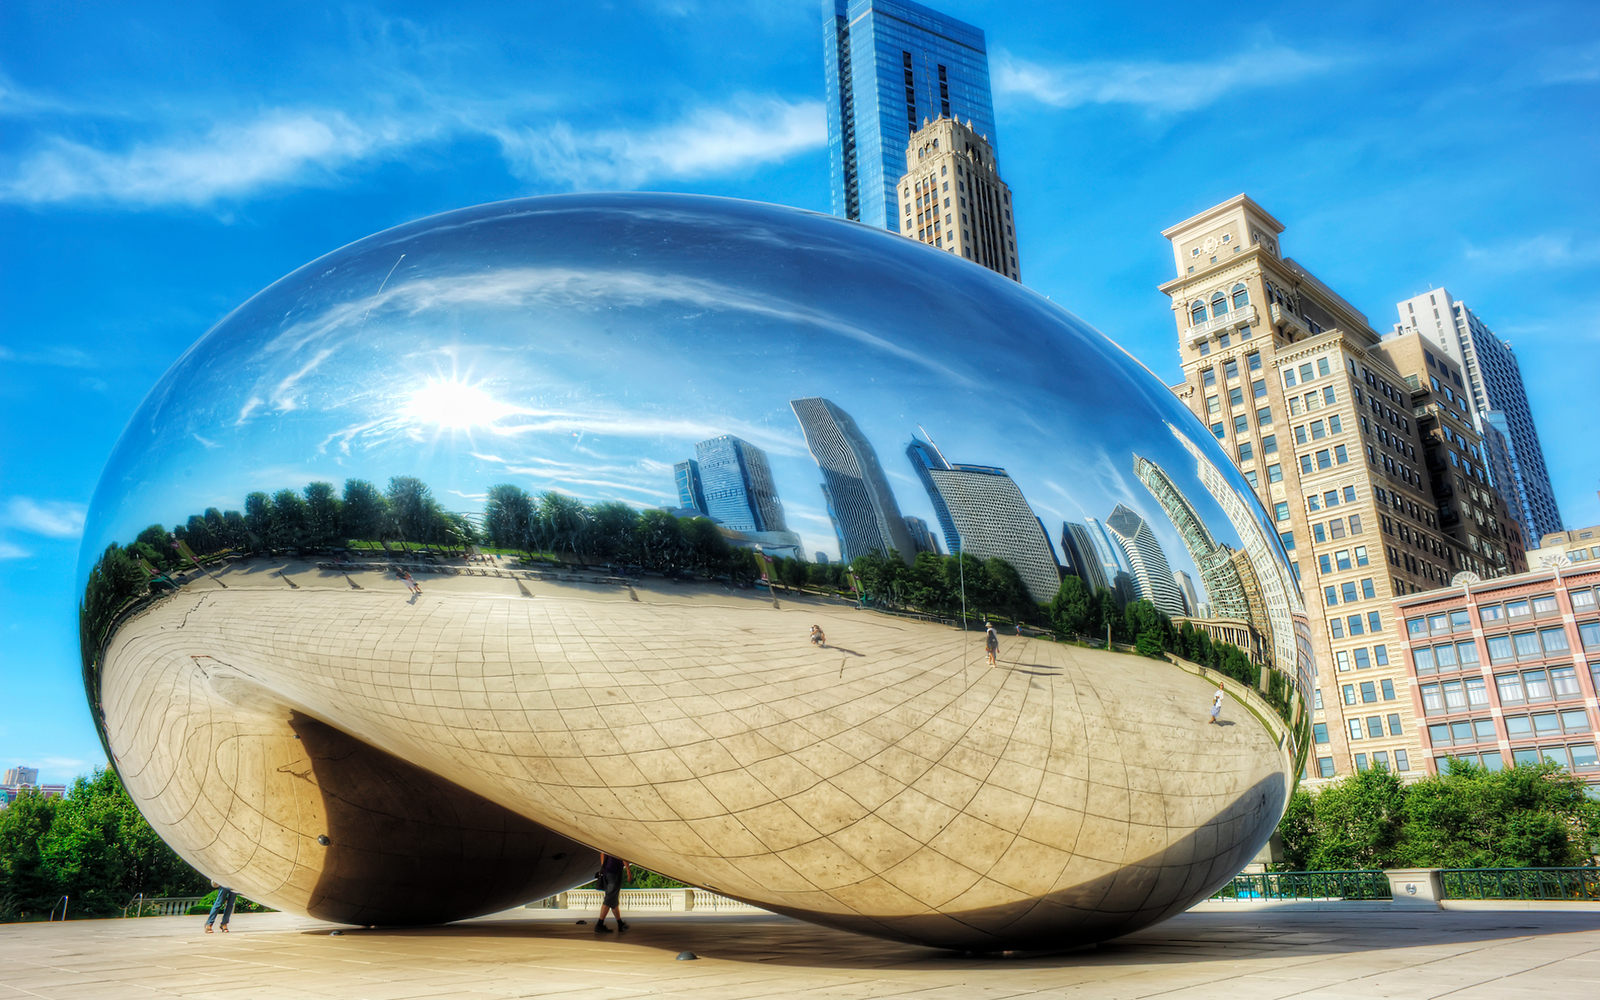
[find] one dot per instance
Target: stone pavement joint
(1261, 954)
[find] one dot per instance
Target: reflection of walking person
(224, 903)
(613, 871)
(817, 636)
(410, 583)
(1216, 705)
(991, 642)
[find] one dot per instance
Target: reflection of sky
(585, 343)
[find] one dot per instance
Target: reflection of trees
(936, 584)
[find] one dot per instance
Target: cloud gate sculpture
(497, 539)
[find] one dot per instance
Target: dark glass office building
(890, 65)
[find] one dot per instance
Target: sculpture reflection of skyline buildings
(984, 515)
(730, 481)
(608, 676)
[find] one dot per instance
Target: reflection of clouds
(282, 395)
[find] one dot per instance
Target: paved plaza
(1214, 951)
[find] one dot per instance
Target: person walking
(991, 642)
(1216, 704)
(613, 872)
(225, 900)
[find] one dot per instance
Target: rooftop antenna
(929, 438)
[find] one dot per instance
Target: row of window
(1330, 499)
(1445, 658)
(1317, 430)
(1373, 727)
(1538, 645)
(1355, 625)
(1314, 400)
(1230, 369)
(1258, 390)
(1368, 692)
(1572, 757)
(1342, 559)
(1514, 688)
(1537, 606)
(1241, 426)
(1219, 302)
(1380, 759)
(1349, 592)
(1224, 340)
(1336, 529)
(1305, 372)
(1324, 459)
(1379, 656)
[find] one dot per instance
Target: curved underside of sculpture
(457, 750)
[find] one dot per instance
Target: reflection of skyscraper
(1279, 597)
(864, 512)
(690, 491)
(1078, 551)
(1152, 576)
(925, 455)
(1191, 602)
(992, 519)
(1112, 561)
(736, 484)
(921, 537)
(1218, 574)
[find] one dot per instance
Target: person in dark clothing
(613, 872)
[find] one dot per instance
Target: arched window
(1197, 313)
(1241, 296)
(1219, 304)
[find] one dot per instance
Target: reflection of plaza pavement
(890, 782)
(1256, 955)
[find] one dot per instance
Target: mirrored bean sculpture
(783, 556)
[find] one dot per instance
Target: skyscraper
(1152, 576)
(1112, 561)
(1218, 573)
(952, 198)
(1498, 396)
(921, 537)
(1186, 587)
(925, 455)
(1078, 551)
(890, 64)
(691, 493)
(863, 509)
(992, 519)
(736, 485)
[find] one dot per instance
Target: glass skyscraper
(891, 64)
(737, 485)
(865, 515)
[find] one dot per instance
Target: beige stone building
(1293, 382)
(952, 197)
(1578, 545)
(1471, 511)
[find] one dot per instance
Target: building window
(1264, 419)
(1281, 510)
(1269, 444)
(1275, 475)
(1241, 296)
(1286, 537)
(1246, 452)
(1319, 733)
(1355, 729)
(1325, 767)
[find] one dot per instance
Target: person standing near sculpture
(613, 872)
(225, 900)
(991, 642)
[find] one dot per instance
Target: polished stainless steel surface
(592, 428)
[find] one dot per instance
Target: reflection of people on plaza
(818, 638)
(1216, 704)
(991, 641)
(411, 584)
(613, 872)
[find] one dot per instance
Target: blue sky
(159, 165)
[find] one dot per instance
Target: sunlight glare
(451, 404)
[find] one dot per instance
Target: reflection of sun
(454, 405)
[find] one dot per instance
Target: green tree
(258, 520)
(323, 515)
(1470, 817)
(26, 876)
(507, 515)
(562, 522)
(290, 520)
(1353, 823)
(613, 532)
(1071, 608)
(662, 546)
(411, 508)
(1006, 591)
(365, 511)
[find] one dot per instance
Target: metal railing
(648, 901)
(1355, 884)
(1522, 883)
(161, 906)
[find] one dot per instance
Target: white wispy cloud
(225, 161)
(212, 161)
(746, 133)
(51, 518)
(1544, 250)
(1154, 85)
(10, 551)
